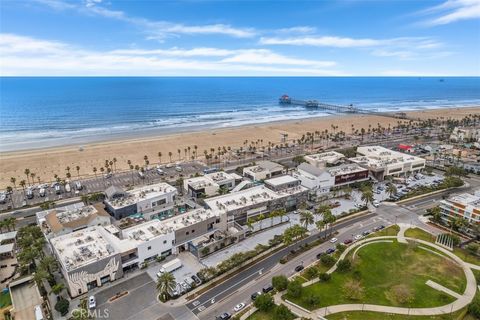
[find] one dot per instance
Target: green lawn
(419, 234)
(5, 300)
(359, 315)
(261, 315)
(390, 231)
(459, 252)
(383, 266)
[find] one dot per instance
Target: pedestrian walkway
(401, 234)
(461, 301)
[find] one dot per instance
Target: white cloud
(297, 29)
(21, 56)
(158, 30)
(318, 41)
(453, 11)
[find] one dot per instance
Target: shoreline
(45, 162)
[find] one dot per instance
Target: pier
(314, 104)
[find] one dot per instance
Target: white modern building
(382, 162)
(63, 220)
(322, 180)
(282, 182)
(263, 170)
(209, 184)
(460, 134)
(465, 206)
(152, 201)
(324, 159)
(250, 202)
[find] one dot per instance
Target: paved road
(240, 279)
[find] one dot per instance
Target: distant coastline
(47, 162)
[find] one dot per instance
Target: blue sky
(245, 38)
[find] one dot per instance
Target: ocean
(37, 112)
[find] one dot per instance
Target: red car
(348, 241)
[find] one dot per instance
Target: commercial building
(88, 258)
(382, 162)
(7, 244)
(460, 134)
(209, 184)
(324, 159)
(67, 219)
(250, 202)
(322, 180)
(263, 170)
(465, 206)
(153, 201)
(282, 182)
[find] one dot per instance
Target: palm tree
(165, 283)
(328, 218)
(23, 184)
(160, 157)
(281, 214)
(9, 191)
(179, 152)
(95, 171)
(250, 222)
(367, 196)
(306, 218)
(78, 171)
(114, 160)
(39, 276)
(27, 173)
(13, 180)
(49, 264)
(170, 155)
(391, 189)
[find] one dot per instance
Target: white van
(38, 312)
(67, 187)
(141, 175)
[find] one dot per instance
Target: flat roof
(264, 166)
(143, 193)
(83, 247)
(8, 236)
(220, 176)
(466, 199)
(345, 169)
(377, 156)
(6, 248)
(281, 180)
(200, 182)
(330, 156)
(248, 197)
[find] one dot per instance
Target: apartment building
(263, 170)
(465, 206)
(209, 184)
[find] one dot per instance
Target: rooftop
(143, 193)
(313, 170)
(281, 180)
(264, 166)
(200, 182)
(155, 228)
(249, 197)
(219, 176)
(83, 247)
(344, 169)
(8, 236)
(466, 199)
(377, 156)
(329, 157)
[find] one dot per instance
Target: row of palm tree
(8, 224)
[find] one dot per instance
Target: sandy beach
(45, 163)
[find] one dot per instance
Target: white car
(375, 203)
(333, 240)
(239, 307)
(91, 302)
(358, 237)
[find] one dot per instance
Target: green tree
(367, 196)
(62, 306)
(344, 265)
(264, 302)
(294, 289)
(280, 282)
(391, 189)
(58, 288)
(165, 283)
(327, 260)
(306, 218)
(282, 313)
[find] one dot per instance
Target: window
(165, 241)
(217, 221)
(149, 248)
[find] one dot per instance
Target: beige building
(324, 159)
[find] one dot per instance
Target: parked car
(178, 169)
(267, 289)
(357, 237)
(320, 255)
(299, 268)
(239, 307)
(107, 175)
(375, 203)
(333, 240)
(330, 251)
(365, 233)
(255, 295)
(91, 302)
(224, 316)
(196, 280)
(348, 241)
(29, 193)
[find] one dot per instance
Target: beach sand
(45, 163)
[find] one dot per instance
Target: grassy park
(391, 274)
(359, 315)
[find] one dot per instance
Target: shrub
(324, 277)
(264, 302)
(353, 290)
(62, 306)
(280, 283)
(311, 300)
(400, 293)
(341, 247)
(474, 308)
(311, 273)
(327, 260)
(282, 313)
(294, 289)
(357, 275)
(344, 265)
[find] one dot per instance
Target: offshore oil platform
(314, 104)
